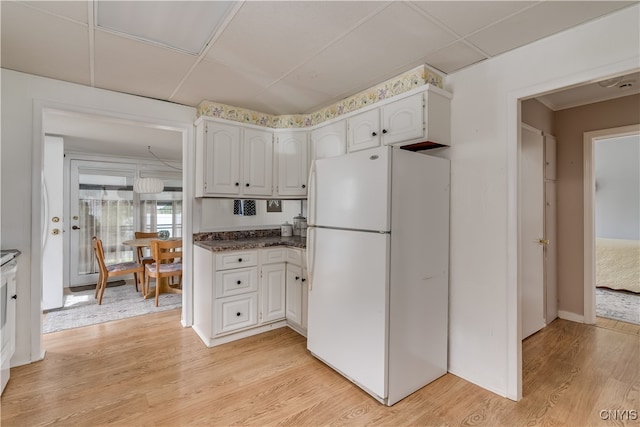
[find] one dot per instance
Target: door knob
(543, 241)
(75, 227)
(55, 231)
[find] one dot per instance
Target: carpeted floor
(119, 302)
(618, 305)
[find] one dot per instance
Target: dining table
(163, 283)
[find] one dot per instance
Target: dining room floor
(120, 301)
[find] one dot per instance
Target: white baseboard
(573, 317)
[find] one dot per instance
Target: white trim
(513, 320)
(589, 188)
(188, 146)
(573, 317)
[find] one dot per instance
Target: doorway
(611, 228)
(99, 201)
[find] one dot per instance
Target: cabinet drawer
(294, 256)
(236, 312)
(272, 256)
(236, 281)
(226, 261)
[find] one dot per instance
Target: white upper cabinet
(329, 140)
(417, 118)
(364, 130)
(292, 164)
(257, 170)
(403, 120)
(233, 161)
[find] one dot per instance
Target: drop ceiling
(277, 57)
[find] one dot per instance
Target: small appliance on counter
(286, 229)
(297, 225)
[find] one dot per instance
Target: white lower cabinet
(242, 293)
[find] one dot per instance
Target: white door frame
(40, 108)
(514, 98)
(589, 180)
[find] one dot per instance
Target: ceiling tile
(76, 10)
(130, 66)
(454, 57)
(59, 48)
(368, 55)
(216, 82)
(465, 17)
(287, 97)
(540, 21)
(274, 37)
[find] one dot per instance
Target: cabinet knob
(374, 134)
(297, 278)
(384, 131)
(237, 184)
(238, 314)
(247, 185)
(304, 186)
(239, 282)
(14, 297)
(304, 280)
(239, 259)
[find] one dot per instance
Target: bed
(618, 264)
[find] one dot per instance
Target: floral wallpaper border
(419, 76)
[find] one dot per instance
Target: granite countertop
(241, 240)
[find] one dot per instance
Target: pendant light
(148, 185)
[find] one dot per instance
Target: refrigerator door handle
(311, 195)
(310, 254)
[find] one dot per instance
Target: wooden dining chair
(142, 258)
(112, 270)
(167, 256)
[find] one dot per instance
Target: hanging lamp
(148, 185)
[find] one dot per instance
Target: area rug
(119, 302)
(618, 305)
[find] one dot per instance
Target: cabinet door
(549, 157)
(293, 165)
(273, 292)
(294, 294)
(364, 130)
(305, 299)
(257, 166)
(329, 140)
(236, 312)
(403, 120)
(222, 154)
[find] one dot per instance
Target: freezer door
(351, 191)
(347, 318)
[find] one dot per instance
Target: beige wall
(570, 125)
(536, 114)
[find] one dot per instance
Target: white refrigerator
(378, 251)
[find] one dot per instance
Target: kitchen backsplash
(217, 215)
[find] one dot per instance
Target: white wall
(617, 167)
(484, 342)
(21, 96)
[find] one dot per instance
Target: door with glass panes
(103, 204)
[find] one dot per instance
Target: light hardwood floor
(151, 371)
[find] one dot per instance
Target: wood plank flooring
(150, 371)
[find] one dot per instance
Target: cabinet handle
(239, 282)
(374, 134)
(384, 131)
(238, 314)
(297, 278)
(14, 297)
(237, 184)
(304, 280)
(239, 259)
(247, 185)
(304, 186)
